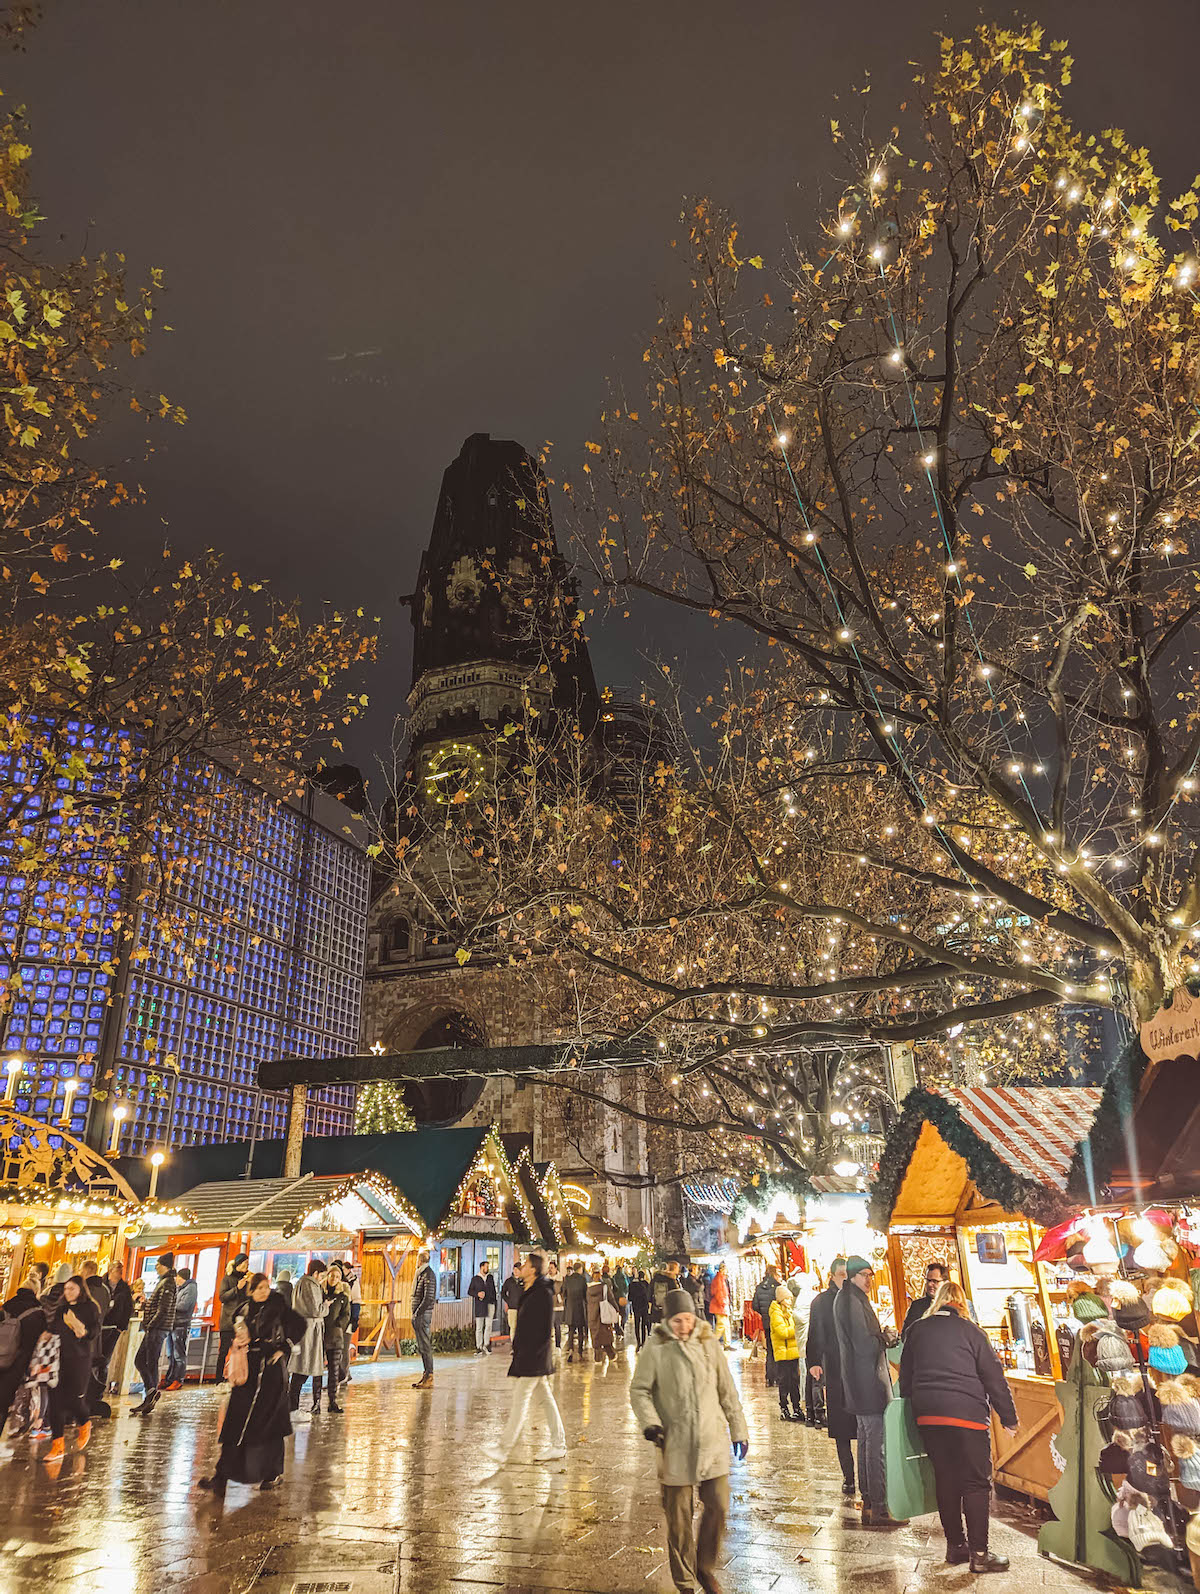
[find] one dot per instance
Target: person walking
(231, 1296)
(602, 1314)
(574, 1291)
(510, 1298)
(158, 1318)
(283, 1283)
(953, 1377)
(257, 1417)
(186, 1295)
(825, 1366)
(785, 1347)
(639, 1305)
(761, 1301)
(556, 1285)
(620, 1282)
(685, 1402)
(532, 1364)
(866, 1382)
(76, 1322)
(483, 1306)
(692, 1284)
(336, 1323)
(307, 1357)
(424, 1299)
(719, 1300)
(22, 1325)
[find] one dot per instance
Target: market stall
(971, 1178)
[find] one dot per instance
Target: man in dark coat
(532, 1364)
(866, 1383)
(935, 1276)
(511, 1292)
(825, 1365)
(483, 1306)
(158, 1319)
(424, 1299)
(761, 1302)
(574, 1293)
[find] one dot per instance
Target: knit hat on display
(1127, 1498)
(1148, 1471)
(856, 1265)
(677, 1302)
(1106, 1347)
(1088, 1308)
(1171, 1299)
(1132, 1315)
(1180, 1406)
(1146, 1530)
(1187, 1454)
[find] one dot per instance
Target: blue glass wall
(251, 947)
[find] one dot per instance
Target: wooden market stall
(971, 1178)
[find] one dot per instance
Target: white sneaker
(550, 1455)
(493, 1453)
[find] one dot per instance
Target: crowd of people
(825, 1352)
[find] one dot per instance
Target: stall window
(449, 1270)
(491, 1256)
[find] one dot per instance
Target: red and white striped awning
(1034, 1128)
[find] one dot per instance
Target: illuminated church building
(491, 571)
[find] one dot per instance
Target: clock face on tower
(453, 772)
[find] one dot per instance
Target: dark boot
(316, 1405)
(334, 1407)
(985, 1561)
(957, 1555)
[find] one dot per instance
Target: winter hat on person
(62, 1273)
(677, 1302)
(242, 1256)
(856, 1265)
(1166, 1353)
(167, 1260)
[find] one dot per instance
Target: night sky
(385, 225)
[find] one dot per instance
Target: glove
(656, 1435)
(740, 1448)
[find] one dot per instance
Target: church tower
(494, 635)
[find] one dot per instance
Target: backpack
(10, 1338)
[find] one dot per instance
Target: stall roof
(232, 1206)
(986, 1150)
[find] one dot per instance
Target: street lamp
(70, 1086)
(156, 1162)
(119, 1116)
(14, 1066)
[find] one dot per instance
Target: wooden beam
(294, 1144)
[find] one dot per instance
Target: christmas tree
(381, 1110)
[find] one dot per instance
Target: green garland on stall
(992, 1175)
(763, 1188)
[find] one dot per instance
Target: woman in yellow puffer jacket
(787, 1355)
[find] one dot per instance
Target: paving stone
(395, 1498)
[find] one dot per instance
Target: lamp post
(14, 1066)
(114, 1140)
(156, 1162)
(70, 1086)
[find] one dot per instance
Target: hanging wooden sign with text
(1173, 1031)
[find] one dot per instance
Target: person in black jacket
(158, 1319)
(532, 1364)
(337, 1321)
(574, 1296)
(424, 1299)
(866, 1383)
(76, 1321)
(936, 1275)
(483, 1307)
(761, 1303)
(639, 1305)
(825, 1365)
(952, 1375)
(26, 1310)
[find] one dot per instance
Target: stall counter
(1023, 1461)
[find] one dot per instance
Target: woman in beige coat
(601, 1289)
(686, 1403)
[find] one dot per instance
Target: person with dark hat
(532, 1364)
(158, 1319)
(232, 1296)
(866, 1383)
(825, 1366)
(954, 1379)
(686, 1403)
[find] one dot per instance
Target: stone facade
(476, 660)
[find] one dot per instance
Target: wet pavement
(394, 1497)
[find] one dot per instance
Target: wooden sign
(1173, 1031)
